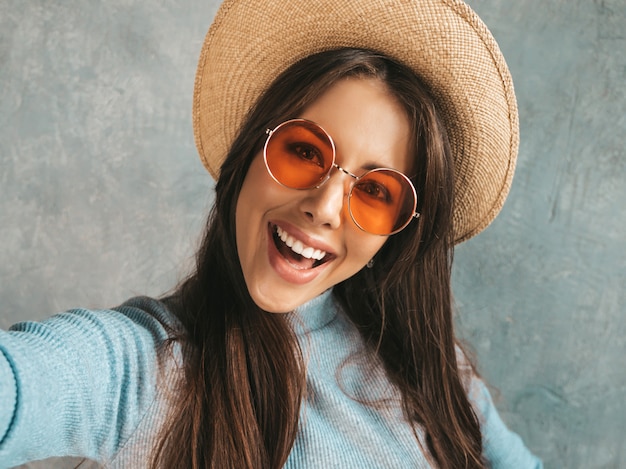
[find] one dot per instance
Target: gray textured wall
(102, 195)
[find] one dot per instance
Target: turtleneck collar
(314, 314)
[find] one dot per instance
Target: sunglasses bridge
(343, 170)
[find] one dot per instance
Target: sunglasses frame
(334, 165)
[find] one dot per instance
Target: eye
(374, 190)
(307, 152)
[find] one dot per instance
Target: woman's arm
(502, 448)
(79, 383)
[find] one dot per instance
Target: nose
(325, 206)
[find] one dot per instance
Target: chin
(276, 303)
(276, 307)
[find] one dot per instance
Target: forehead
(369, 126)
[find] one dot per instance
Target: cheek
(362, 247)
(249, 207)
(259, 195)
(253, 191)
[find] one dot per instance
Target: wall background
(102, 195)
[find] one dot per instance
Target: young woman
(353, 143)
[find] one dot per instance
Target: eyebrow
(320, 134)
(370, 166)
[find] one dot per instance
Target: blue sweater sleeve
(79, 383)
(502, 448)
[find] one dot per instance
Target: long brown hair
(244, 378)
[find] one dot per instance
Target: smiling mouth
(299, 255)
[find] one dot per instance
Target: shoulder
(145, 310)
(139, 322)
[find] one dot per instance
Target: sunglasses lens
(299, 154)
(382, 202)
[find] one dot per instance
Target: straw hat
(251, 41)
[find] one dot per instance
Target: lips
(296, 257)
(298, 247)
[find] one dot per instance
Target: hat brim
(443, 41)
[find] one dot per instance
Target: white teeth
(298, 246)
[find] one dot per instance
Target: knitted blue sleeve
(502, 448)
(79, 383)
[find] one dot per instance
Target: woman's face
(370, 129)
